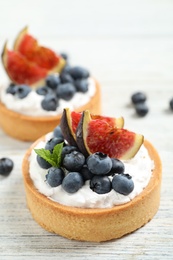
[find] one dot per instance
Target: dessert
(93, 197)
(41, 84)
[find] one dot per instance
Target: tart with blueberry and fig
(42, 83)
(96, 181)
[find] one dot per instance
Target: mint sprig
(53, 158)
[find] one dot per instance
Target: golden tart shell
(94, 224)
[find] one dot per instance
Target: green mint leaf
(46, 155)
(57, 151)
(53, 158)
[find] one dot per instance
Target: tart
(42, 83)
(30, 128)
(94, 223)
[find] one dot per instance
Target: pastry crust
(94, 224)
(28, 128)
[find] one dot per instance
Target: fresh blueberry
(171, 104)
(123, 183)
(57, 132)
(50, 102)
(81, 85)
(66, 77)
(52, 142)
(68, 149)
(55, 176)
(117, 167)
(43, 163)
(74, 161)
(64, 55)
(78, 72)
(100, 184)
(99, 163)
(66, 91)
(72, 182)
(141, 109)
(12, 88)
(86, 174)
(43, 91)
(22, 91)
(6, 166)
(66, 69)
(138, 97)
(52, 81)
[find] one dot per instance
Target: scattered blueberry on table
(6, 166)
(138, 97)
(171, 104)
(139, 101)
(141, 109)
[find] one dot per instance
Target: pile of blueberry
(139, 101)
(6, 166)
(64, 86)
(104, 173)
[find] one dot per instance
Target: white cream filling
(140, 168)
(31, 104)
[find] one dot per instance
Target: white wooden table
(128, 46)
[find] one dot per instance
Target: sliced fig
(68, 124)
(20, 70)
(44, 57)
(95, 135)
(70, 121)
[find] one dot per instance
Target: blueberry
(50, 102)
(66, 69)
(117, 167)
(57, 132)
(171, 104)
(141, 109)
(55, 176)
(100, 184)
(74, 161)
(72, 182)
(64, 55)
(6, 166)
(52, 142)
(43, 91)
(123, 183)
(138, 97)
(86, 174)
(66, 77)
(66, 91)
(22, 91)
(43, 163)
(52, 81)
(12, 88)
(68, 149)
(78, 72)
(99, 163)
(81, 85)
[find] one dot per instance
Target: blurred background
(123, 40)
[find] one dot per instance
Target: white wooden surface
(128, 46)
